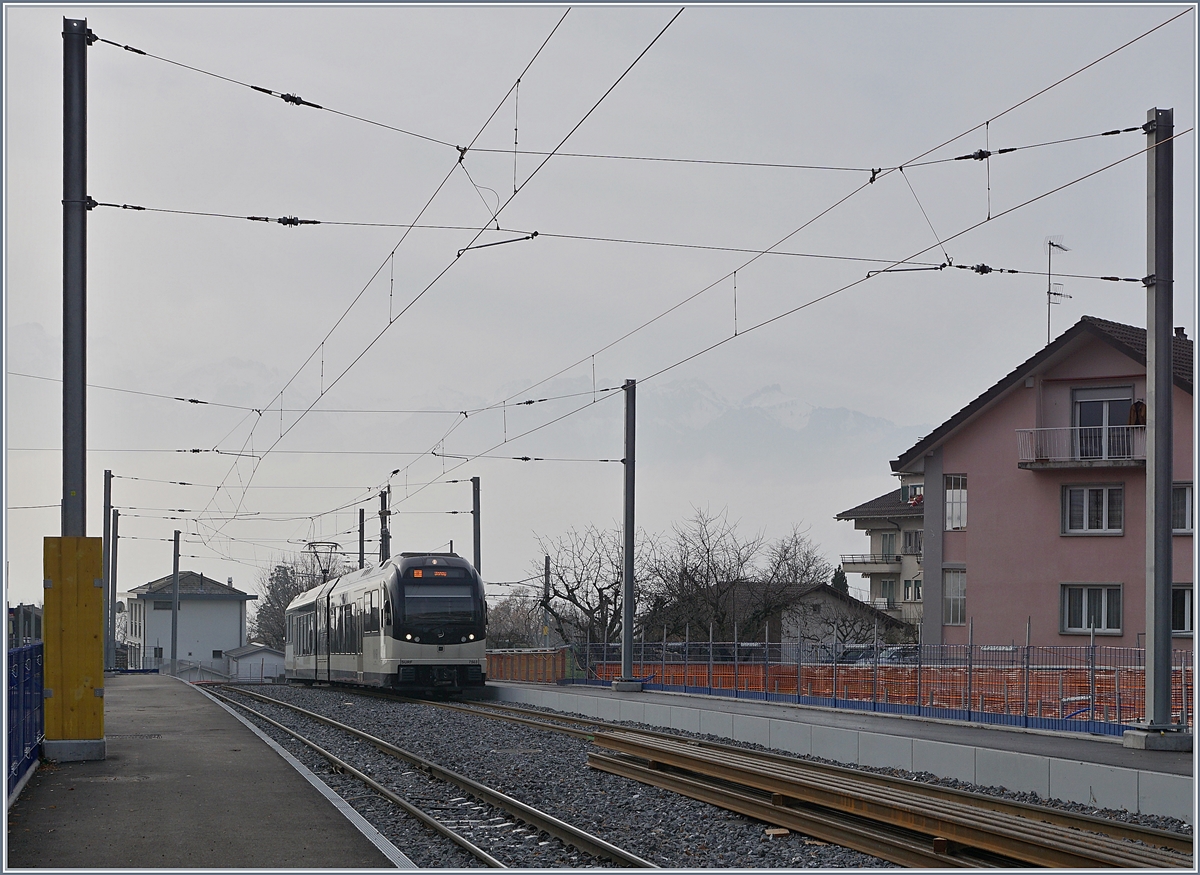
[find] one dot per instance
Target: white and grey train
(417, 622)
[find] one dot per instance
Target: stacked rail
(906, 822)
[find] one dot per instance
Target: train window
(387, 612)
(369, 617)
(424, 602)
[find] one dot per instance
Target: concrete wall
(257, 665)
(1049, 777)
(205, 625)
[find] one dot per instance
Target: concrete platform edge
(394, 854)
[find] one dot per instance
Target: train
(416, 623)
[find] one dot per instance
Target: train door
(323, 642)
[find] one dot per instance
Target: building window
(912, 590)
(164, 606)
(1181, 610)
(158, 653)
(1096, 510)
(914, 542)
(887, 589)
(217, 654)
(954, 597)
(956, 502)
(1181, 507)
(1104, 424)
(913, 493)
(887, 546)
(1087, 607)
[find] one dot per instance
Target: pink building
(1053, 535)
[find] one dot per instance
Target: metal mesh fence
(1088, 688)
(26, 717)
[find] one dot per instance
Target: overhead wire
(392, 320)
(507, 201)
(946, 239)
(293, 99)
(875, 175)
(940, 242)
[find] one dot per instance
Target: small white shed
(255, 661)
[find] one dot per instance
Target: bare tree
(790, 566)
(707, 573)
(515, 621)
(290, 576)
(699, 569)
(585, 581)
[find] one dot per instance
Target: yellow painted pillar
(73, 632)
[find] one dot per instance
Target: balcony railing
(870, 558)
(1100, 445)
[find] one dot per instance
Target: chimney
(231, 582)
(1180, 333)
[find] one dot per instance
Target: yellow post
(73, 632)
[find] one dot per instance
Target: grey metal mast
(1159, 318)
(630, 388)
(110, 615)
(175, 610)
(475, 518)
(74, 495)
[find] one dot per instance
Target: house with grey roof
(255, 661)
(211, 620)
(895, 524)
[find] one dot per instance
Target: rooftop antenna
(1053, 290)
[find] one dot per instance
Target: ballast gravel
(549, 771)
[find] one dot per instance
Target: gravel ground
(546, 770)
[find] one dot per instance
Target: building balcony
(1115, 446)
(871, 563)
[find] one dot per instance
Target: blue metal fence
(26, 718)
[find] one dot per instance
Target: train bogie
(416, 623)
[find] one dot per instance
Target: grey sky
(228, 310)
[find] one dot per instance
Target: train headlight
(471, 636)
(408, 637)
(463, 639)
(417, 639)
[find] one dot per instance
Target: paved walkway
(185, 785)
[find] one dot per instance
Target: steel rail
(345, 768)
(1071, 820)
(930, 794)
(1011, 836)
(547, 823)
(903, 847)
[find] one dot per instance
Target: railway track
(906, 822)
(450, 819)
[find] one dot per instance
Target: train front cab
(438, 628)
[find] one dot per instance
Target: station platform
(185, 785)
(1093, 770)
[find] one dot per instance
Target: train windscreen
(438, 602)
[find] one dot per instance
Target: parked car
(856, 656)
(908, 654)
